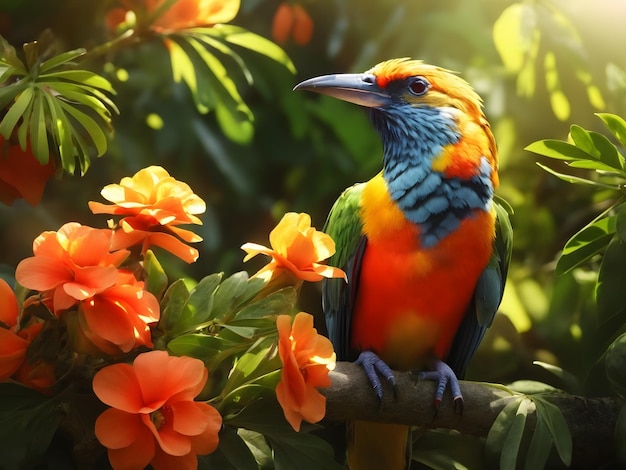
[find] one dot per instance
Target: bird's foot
(445, 377)
(373, 367)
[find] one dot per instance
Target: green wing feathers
(344, 225)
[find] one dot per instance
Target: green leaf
(202, 346)
(558, 149)
(259, 447)
(558, 428)
(28, 421)
(302, 451)
(61, 132)
(96, 133)
(60, 59)
(513, 440)
(182, 67)
(539, 448)
(260, 359)
(576, 179)
(611, 281)
(15, 112)
(620, 222)
(199, 305)
(589, 241)
(155, 277)
(84, 77)
(244, 38)
(235, 122)
(615, 365)
(229, 294)
(277, 303)
(172, 305)
(616, 125)
(531, 387)
(500, 429)
(235, 450)
(38, 134)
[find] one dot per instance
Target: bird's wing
(345, 227)
(487, 296)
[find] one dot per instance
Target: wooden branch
(590, 420)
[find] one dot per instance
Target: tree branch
(591, 420)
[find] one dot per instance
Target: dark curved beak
(358, 88)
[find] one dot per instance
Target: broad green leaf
(38, 134)
(511, 32)
(243, 331)
(182, 67)
(235, 450)
(558, 149)
(172, 305)
(583, 141)
(155, 277)
(28, 421)
(60, 59)
(611, 282)
(259, 447)
(229, 293)
(513, 440)
(594, 165)
(539, 448)
(235, 122)
(23, 127)
(616, 125)
(83, 77)
(531, 387)
(260, 359)
(608, 151)
(15, 112)
(500, 429)
(94, 130)
(558, 428)
(302, 451)
(620, 222)
(589, 241)
(576, 179)
(218, 45)
(615, 365)
(199, 305)
(244, 38)
(277, 303)
(9, 57)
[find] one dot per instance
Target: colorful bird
(424, 245)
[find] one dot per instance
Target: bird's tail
(375, 446)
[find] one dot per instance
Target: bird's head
(409, 101)
(399, 82)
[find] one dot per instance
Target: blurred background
(539, 66)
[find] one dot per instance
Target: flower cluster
(175, 16)
(94, 318)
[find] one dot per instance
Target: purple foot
(444, 376)
(373, 366)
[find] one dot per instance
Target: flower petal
(117, 386)
(10, 309)
(42, 273)
(136, 456)
(12, 353)
(188, 418)
(208, 440)
(116, 429)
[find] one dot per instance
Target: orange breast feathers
(411, 300)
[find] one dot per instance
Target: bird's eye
(418, 86)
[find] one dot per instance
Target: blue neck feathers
(412, 137)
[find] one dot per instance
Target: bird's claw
(445, 377)
(373, 367)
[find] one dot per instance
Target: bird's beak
(358, 88)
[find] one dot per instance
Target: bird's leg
(373, 366)
(444, 376)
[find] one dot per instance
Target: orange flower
(21, 175)
(294, 20)
(180, 15)
(117, 320)
(307, 358)
(70, 265)
(154, 419)
(15, 341)
(298, 248)
(154, 204)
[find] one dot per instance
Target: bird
(425, 243)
